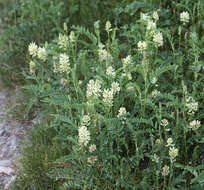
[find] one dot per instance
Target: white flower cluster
(158, 39)
(63, 41)
(64, 65)
(91, 160)
(93, 88)
(72, 37)
(169, 142)
(184, 17)
(127, 61)
(104, 55)
(155, 93)
(164, 122)
(165, 170)
(56, 67)
(84, 136)
(142, 46)
(151, 29)
(155, 16)
(121, 114)
(151, 25)
(85, 120)
(115, 87)
(32, 67)
(144, 17)
(108, 97)
(92, 148)
(158, 141)
(173, 153)
(108, 94)
(194, 125)
(42, 54)
(122, 111)
(33, 49)
(155, 158)
(80, 82)
(110, 71)
(154, 80)
(108, 26)
(192, 105)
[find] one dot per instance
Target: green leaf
(198, 179)
(29, 106)
(177, 165)
(160, 70)
(64, 119)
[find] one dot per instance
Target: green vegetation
(120, 95)
(39, 21)
(40, 151)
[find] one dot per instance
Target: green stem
(164, 183)
(184, 130)
(171, 174)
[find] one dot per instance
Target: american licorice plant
(129, 109)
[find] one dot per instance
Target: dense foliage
(123, 98)
(25, 21)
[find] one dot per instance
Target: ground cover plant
(126, 126)
(40, 20)
(125, 101)
(22, 22)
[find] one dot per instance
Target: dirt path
(11, 133)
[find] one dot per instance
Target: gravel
(11, 134)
